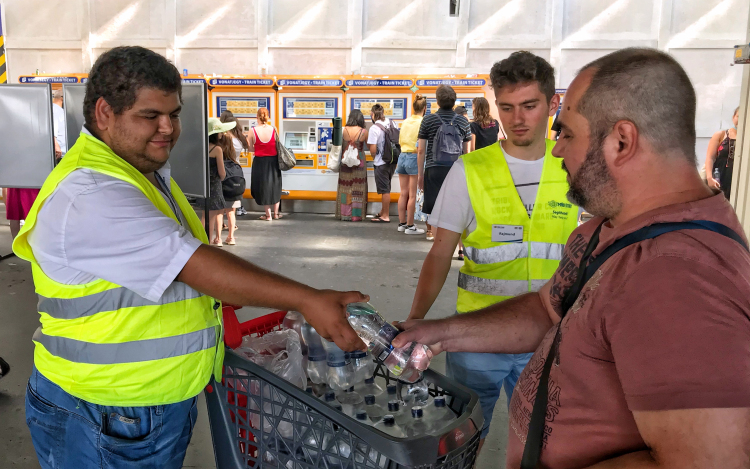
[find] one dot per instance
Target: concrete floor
(314, 249)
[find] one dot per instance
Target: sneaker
(401, 226)
(429, 236)
(413, 230)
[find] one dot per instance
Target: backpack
(391, 147)
(447, 143)
(233, 185)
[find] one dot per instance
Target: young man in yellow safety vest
(507, 203)
(128, 288)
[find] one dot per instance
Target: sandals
(277, 217)
(264, 218)
(230, 241)
(379, 220)
(460, 254)
(217, 243)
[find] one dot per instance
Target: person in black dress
(720, 157)
(485, 129)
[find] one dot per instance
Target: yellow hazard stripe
(4, 77)
(2, 60)
(2, 41)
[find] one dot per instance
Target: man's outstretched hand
(326, 312)
(430, 332)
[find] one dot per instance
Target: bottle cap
(370, 399)
(417, 412)
(351, 389)
(370, 380)
(329, 396)
(309, 390)
(391, 389)
(338, 407)
(393, 406)
(388, 420)
(440, 401)
(361, 415)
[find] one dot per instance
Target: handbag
(286, 157)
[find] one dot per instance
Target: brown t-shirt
(663, 324)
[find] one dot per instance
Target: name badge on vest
(507, 234)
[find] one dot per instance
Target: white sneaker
(401, 227)
(413, 230)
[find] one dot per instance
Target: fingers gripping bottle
(406, 362)
(317, 369)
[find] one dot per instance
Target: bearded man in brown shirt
(652, 362)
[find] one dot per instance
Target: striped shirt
(432, 122)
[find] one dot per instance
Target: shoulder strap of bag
(535, 438)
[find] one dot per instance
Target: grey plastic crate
(300, 431)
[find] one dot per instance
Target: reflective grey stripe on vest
(485, 286)
(127, 352)
(111, 300)
(513, 251)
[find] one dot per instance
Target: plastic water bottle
(329, 397)
(394, 408)
(375, 411)
(417, 426)
(351, 402)
(389, 426)
(369, 386)
(717, 176)
(406, 362)
(439, 415)
(415, 394)
(364, 365)
(317, 369)
(363, 418)
(340, 374)
(390, 394)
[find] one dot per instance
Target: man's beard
(122, 145)
(593, 187)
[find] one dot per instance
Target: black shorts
(433, 181)
(383, 175)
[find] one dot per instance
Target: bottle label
(316, 358)
(381, 350)
(336, 360)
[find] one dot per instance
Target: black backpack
(391, 147)
(447, 144)
(233, 185)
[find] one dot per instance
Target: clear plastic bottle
(369, 386)
(395, 409)
(294, 321)
(417, 426)
(364, 365)
(389, 426)
(717, 176)
(351, 401)
(329, 397)
(340, 374)
(391, 393)
(415, 394)
(362, 417)
(406, 362)
(375, 411)
(439, 414)
(317, 369)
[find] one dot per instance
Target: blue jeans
(407, 164)
(68, 432)
(485, 374)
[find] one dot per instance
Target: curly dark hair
(524, 67)
(119, 73)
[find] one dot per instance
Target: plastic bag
(418, 214)
(279, 352)
(334, 159)
(351, 157)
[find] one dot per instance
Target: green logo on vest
(555, 204)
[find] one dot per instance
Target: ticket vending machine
(395, 95)
(307, 106)
(467, 88)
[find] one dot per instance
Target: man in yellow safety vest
(128, 288)
(507, 203)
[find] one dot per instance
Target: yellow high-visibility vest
(495, 271)
(106, 344)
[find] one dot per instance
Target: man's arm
(435, 270)
(467, 147)
(421, 151)
(373, 149)
(517, 325)
(236, 281)
(689, 439)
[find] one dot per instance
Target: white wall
(386, 37)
